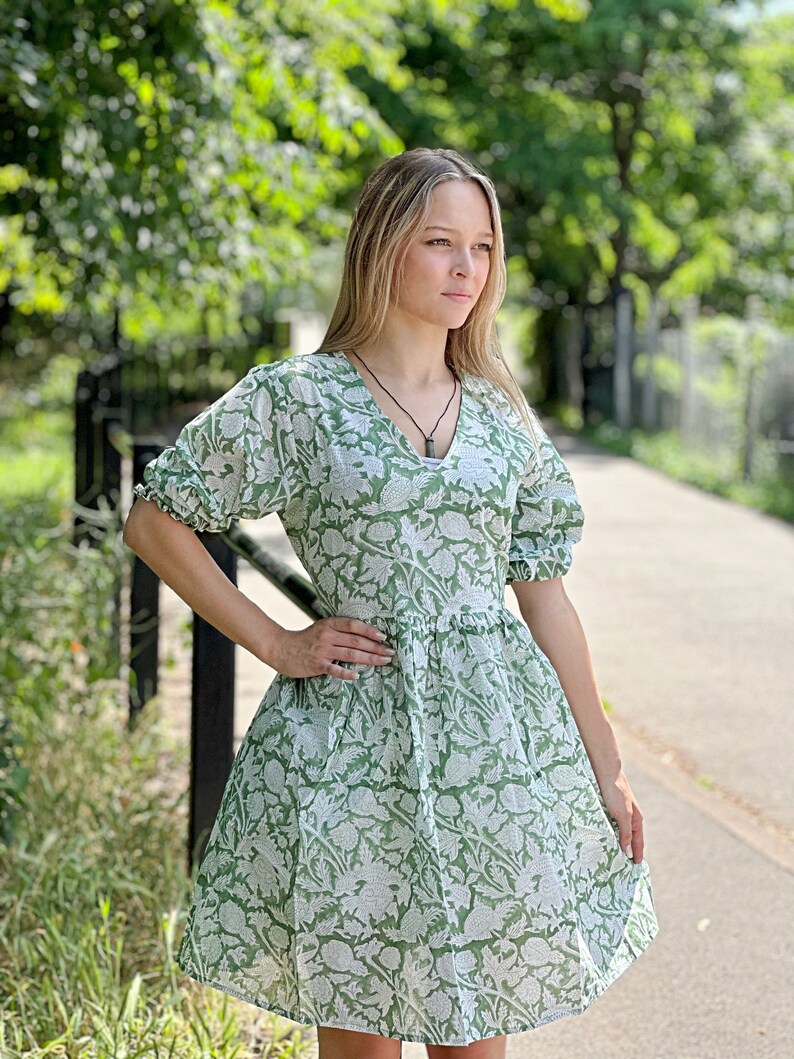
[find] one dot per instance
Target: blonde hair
(393, 208)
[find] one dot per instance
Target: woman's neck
(412, 354)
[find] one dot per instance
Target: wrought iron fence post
(144, 605)
(85, 488)
(212, 714)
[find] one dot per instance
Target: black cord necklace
(430, 448)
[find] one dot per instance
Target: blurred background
(176, 182)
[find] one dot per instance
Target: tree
(607, 133)
(176, 150)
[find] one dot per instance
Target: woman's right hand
(328, 641)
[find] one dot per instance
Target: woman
(427, 834)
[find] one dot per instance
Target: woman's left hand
(623, 808)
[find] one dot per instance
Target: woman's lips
(458, 297)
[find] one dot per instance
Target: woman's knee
(350, 1044)
(488, 1048)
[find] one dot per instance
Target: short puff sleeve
(225, 463)
(548, 518)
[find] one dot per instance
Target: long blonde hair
(393, 208)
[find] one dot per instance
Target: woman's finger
(352, 648)
(625, 838)
(637, 837)
(337, 670)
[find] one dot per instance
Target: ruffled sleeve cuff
(525, 564)
(547, 521)
(186, 492)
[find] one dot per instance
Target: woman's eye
(483, 246)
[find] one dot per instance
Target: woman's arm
(557, 630)
(173, 551)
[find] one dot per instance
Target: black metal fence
(106, 413)
(99, 421)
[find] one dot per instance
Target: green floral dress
(423, 853)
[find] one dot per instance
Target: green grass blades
(93, 881)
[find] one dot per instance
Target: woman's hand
(623, 808)
(328, 641)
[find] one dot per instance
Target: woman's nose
(464, 264)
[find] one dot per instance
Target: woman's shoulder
(483, 389)
(492, 396)
(288, 383)
(505, 417)
(296, 366)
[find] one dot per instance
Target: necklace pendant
(430, 447)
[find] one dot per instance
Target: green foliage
(36, 446)
(667, 373)
(176, 150)
(191, 162)
(98, 102)
(712, 471)
(13, 779)
(631, 144)
(93, 887)
(762, 166)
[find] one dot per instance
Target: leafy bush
(714, 472)
(93, 882)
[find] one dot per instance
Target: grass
(705, 781)
(36, 456)
(94, 888)
(93, 893)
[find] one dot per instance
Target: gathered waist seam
(445, 619)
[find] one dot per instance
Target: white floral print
(423, 853)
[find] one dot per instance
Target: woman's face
(451, 255)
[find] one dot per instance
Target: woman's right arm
(173, 551)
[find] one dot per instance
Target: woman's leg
(489, 1048)
(350, 1044)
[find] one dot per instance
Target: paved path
(688, 604)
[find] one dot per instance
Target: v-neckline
(401, 437)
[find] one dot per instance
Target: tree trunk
(650, 404)
(624, 338)
(574, 338)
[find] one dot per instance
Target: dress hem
(603, 985)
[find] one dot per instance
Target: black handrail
(295, 587)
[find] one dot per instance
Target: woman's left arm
(555, 627)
